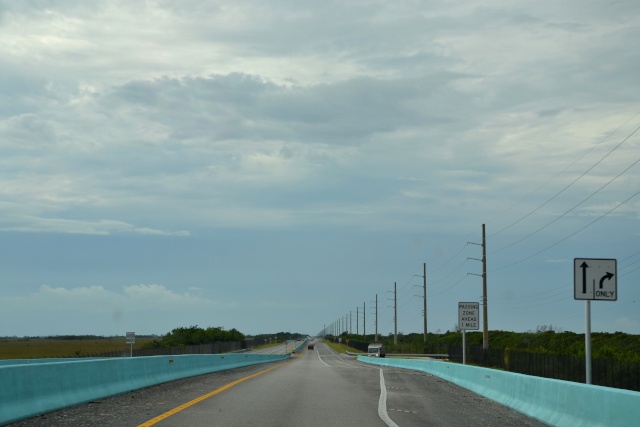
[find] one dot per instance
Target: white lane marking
(382, 403)
(318, 353)
(350, 362)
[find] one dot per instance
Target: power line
(567, 212)
(567, 237)
(543, 297)
(568, 185)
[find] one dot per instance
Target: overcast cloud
(272, 166)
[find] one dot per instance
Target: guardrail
(32, 388)
(300, 346)
(419, 355)
(555, 402)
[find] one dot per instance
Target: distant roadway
(314, 388)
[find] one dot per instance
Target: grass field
(341, 348)
(30, 348)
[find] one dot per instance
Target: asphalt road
(315, 388)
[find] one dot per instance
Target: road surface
(315, 388)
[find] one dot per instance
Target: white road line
(382, 403)
(318, 353)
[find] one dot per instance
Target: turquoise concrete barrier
(300, 346)
(7, 362)
(554, 402)
(34, 388)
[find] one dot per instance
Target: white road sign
(469, 315)
(130, 338)
(595, 279)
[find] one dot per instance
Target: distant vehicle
(376, 349)
(310, 347)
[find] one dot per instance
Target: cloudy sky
(273, 166)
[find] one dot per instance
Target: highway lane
(316, 388)
(321, 387)
(309, 390)
(282, 348)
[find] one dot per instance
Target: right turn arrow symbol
(607, 276)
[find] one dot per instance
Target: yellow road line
(175, 410)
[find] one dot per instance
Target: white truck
(376, 349)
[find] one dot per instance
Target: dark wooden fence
(604, 372)
(211, 348)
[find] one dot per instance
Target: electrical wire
(567, 237)
(570, 210)
(570, 184)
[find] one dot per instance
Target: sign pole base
(587, 341)
(464, 346)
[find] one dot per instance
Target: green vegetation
(194, 335)
(85, 345)
(545, 339)
(278, 337)
(43, 347)
(341, 348)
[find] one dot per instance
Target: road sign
(130, 338)
(469, 316)
(595, 279)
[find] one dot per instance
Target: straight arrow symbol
(584, 267)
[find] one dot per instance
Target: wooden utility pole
(364, 320)
(395, 313)
(376, 340)
(485, 320)
(424, 276)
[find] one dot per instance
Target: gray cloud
(181, 119)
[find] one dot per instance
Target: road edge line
(382, 403)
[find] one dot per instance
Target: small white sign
(130, 338)
(469, 315)
(595, 279)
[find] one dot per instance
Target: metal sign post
(131, 340)
(587, 341)
(468, 315)
(594, 280)
(464, 346)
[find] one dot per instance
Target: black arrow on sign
(584, 267)
(607, 276)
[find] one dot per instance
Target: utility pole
(357, 320)
(350, 321)
(424, 275)
(376, 340)
(364, 320)
(395, 313)
(485, 321)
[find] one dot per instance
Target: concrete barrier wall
(33, 388)
(8, 362)
(300, 346)
(555, 402)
